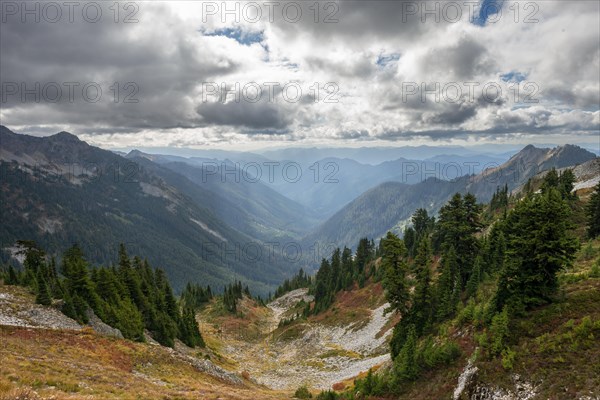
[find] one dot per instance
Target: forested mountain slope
(389, 205)
(59, 190)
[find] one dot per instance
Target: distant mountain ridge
(59, 189)
(390, 205)
(246, 204)
(327, 182)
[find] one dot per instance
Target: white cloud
(169, 59)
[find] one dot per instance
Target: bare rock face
(208, 367)
(17, 308)
(100, 327)
(522, 390)
(465, 381)
(470, 387)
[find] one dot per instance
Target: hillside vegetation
(59, 190)
(510, 307)
(483, 301)
(389, 205)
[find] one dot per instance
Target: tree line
(298, 281)
(131, 296)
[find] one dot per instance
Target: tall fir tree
(539, 245)
(395, 283)
(422, 308)
(405, 365)
(593, 213)
(43, 293)
(448, 286)
(458, 224)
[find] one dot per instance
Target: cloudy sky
(253, 74)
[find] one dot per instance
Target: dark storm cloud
(452, 114)
(369, 49)
(259, 115)
(157, 71)
(464, 60)
(363, 21)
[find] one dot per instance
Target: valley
(261, 358)
(46, 355)
(395, 255)
(316, 353)
(306, 200)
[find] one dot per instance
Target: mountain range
(58, 190)
(390, 205)
(213, 220)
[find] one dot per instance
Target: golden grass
(52, 364)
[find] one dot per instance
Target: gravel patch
(17, 309)
(321, 357)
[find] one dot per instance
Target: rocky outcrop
(17, 308)
(465, 380)
(521, 390)
(470, 387)
(209, 368)
(100, 327)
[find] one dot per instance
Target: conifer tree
(551, 180)
(171, 307)
(12, 278)
(499, 199)
(539, 245)
(335, 283)
(496, 249)
(476, 277)
(459, 221)
(397, 290)
(448, 285)
(80, 307)
(34, 260)
(68, 308)
(43, 293)
(593, 213)
(128, 320)
(422, 223)
(106, 287)
(422, 305)
(322, 294)
(364, 252)
(566, 183)
(405, 364)
(409, 238)
(346, 268)
(78, 280)
(190, 335)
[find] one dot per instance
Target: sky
(248, 75)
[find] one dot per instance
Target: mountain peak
(139, 154)
(65, 137)
(529, 153)
(5, 131)
(136, 153)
